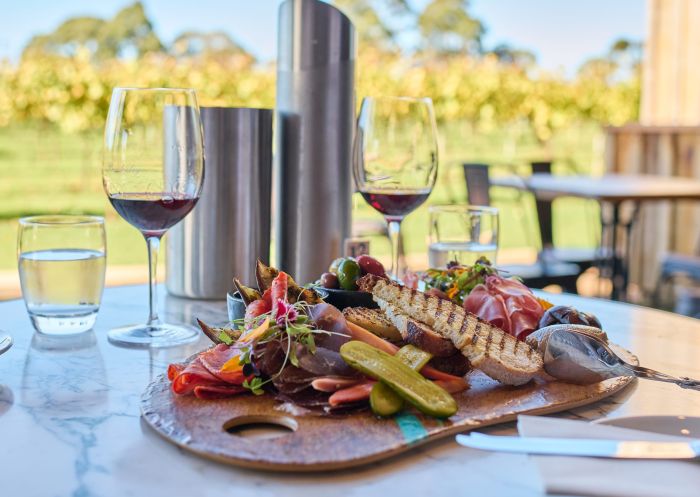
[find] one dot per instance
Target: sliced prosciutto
(507, 304)
(207, 376)
(214, 360)
(186, 379)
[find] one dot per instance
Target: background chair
(539, 274)
(675, 266)
(583, 257)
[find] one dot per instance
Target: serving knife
(615, 449)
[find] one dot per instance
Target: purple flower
(284, 312)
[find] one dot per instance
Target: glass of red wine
(395, 159)
(153, 168)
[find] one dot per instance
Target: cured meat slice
(215, 358)
(507, 304)
(207, 392)
(193, 375)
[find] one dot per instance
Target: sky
(561, 33)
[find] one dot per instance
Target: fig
(564, 314)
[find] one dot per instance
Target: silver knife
(637, 449)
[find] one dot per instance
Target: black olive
(329, 280)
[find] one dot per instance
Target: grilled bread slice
(456, 365)
(488, 348)
(373, 320)
(420, 335)
(446, 357)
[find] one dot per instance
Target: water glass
(61, 263)
(462, 233)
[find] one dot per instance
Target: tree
(68, 38)
(622, 62)
(215, 45)
(514, 56)
(369, 26)
(192, 43)
(447, 28)
(128, 33)
(627, 55)
(374, 29)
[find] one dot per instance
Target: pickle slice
(383, 400)
(426, 396)
(413, 357)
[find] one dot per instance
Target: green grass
(45, 171)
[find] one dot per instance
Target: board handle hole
(261, 427)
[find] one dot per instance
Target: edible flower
(285, 313)
(233, 364)
(452, 292)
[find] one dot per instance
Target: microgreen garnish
(255, 385)
(290, 323)
(225, 338)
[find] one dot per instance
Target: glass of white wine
(61, 263)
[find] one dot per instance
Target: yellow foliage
(74, 93)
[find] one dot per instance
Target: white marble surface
(70, 425)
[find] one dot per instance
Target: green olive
(348, 274)
(333, 268)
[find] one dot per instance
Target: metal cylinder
(230, 226)
(315, 104)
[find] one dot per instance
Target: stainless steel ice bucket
(230, 226)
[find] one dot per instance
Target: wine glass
(395, 159)
(5, 344)
(153, 168)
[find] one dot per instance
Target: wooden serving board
(323, 443)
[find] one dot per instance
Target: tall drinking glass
(153, 168)
(395, 159)
(463, 234)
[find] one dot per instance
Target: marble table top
(70, 423)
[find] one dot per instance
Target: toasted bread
(456, 365)
(420, 335)
(488, 348)
(373, 320)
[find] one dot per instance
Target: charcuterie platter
(324, 443)
(358, 385)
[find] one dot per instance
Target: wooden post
(667, 140)
(671, 73)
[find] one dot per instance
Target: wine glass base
(155, 335)
(5, 343)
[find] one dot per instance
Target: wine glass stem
(153, 243)
(395, 238)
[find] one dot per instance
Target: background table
(70, 422)
(613, 190)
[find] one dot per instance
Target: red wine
(152, 213)
(395, 204)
